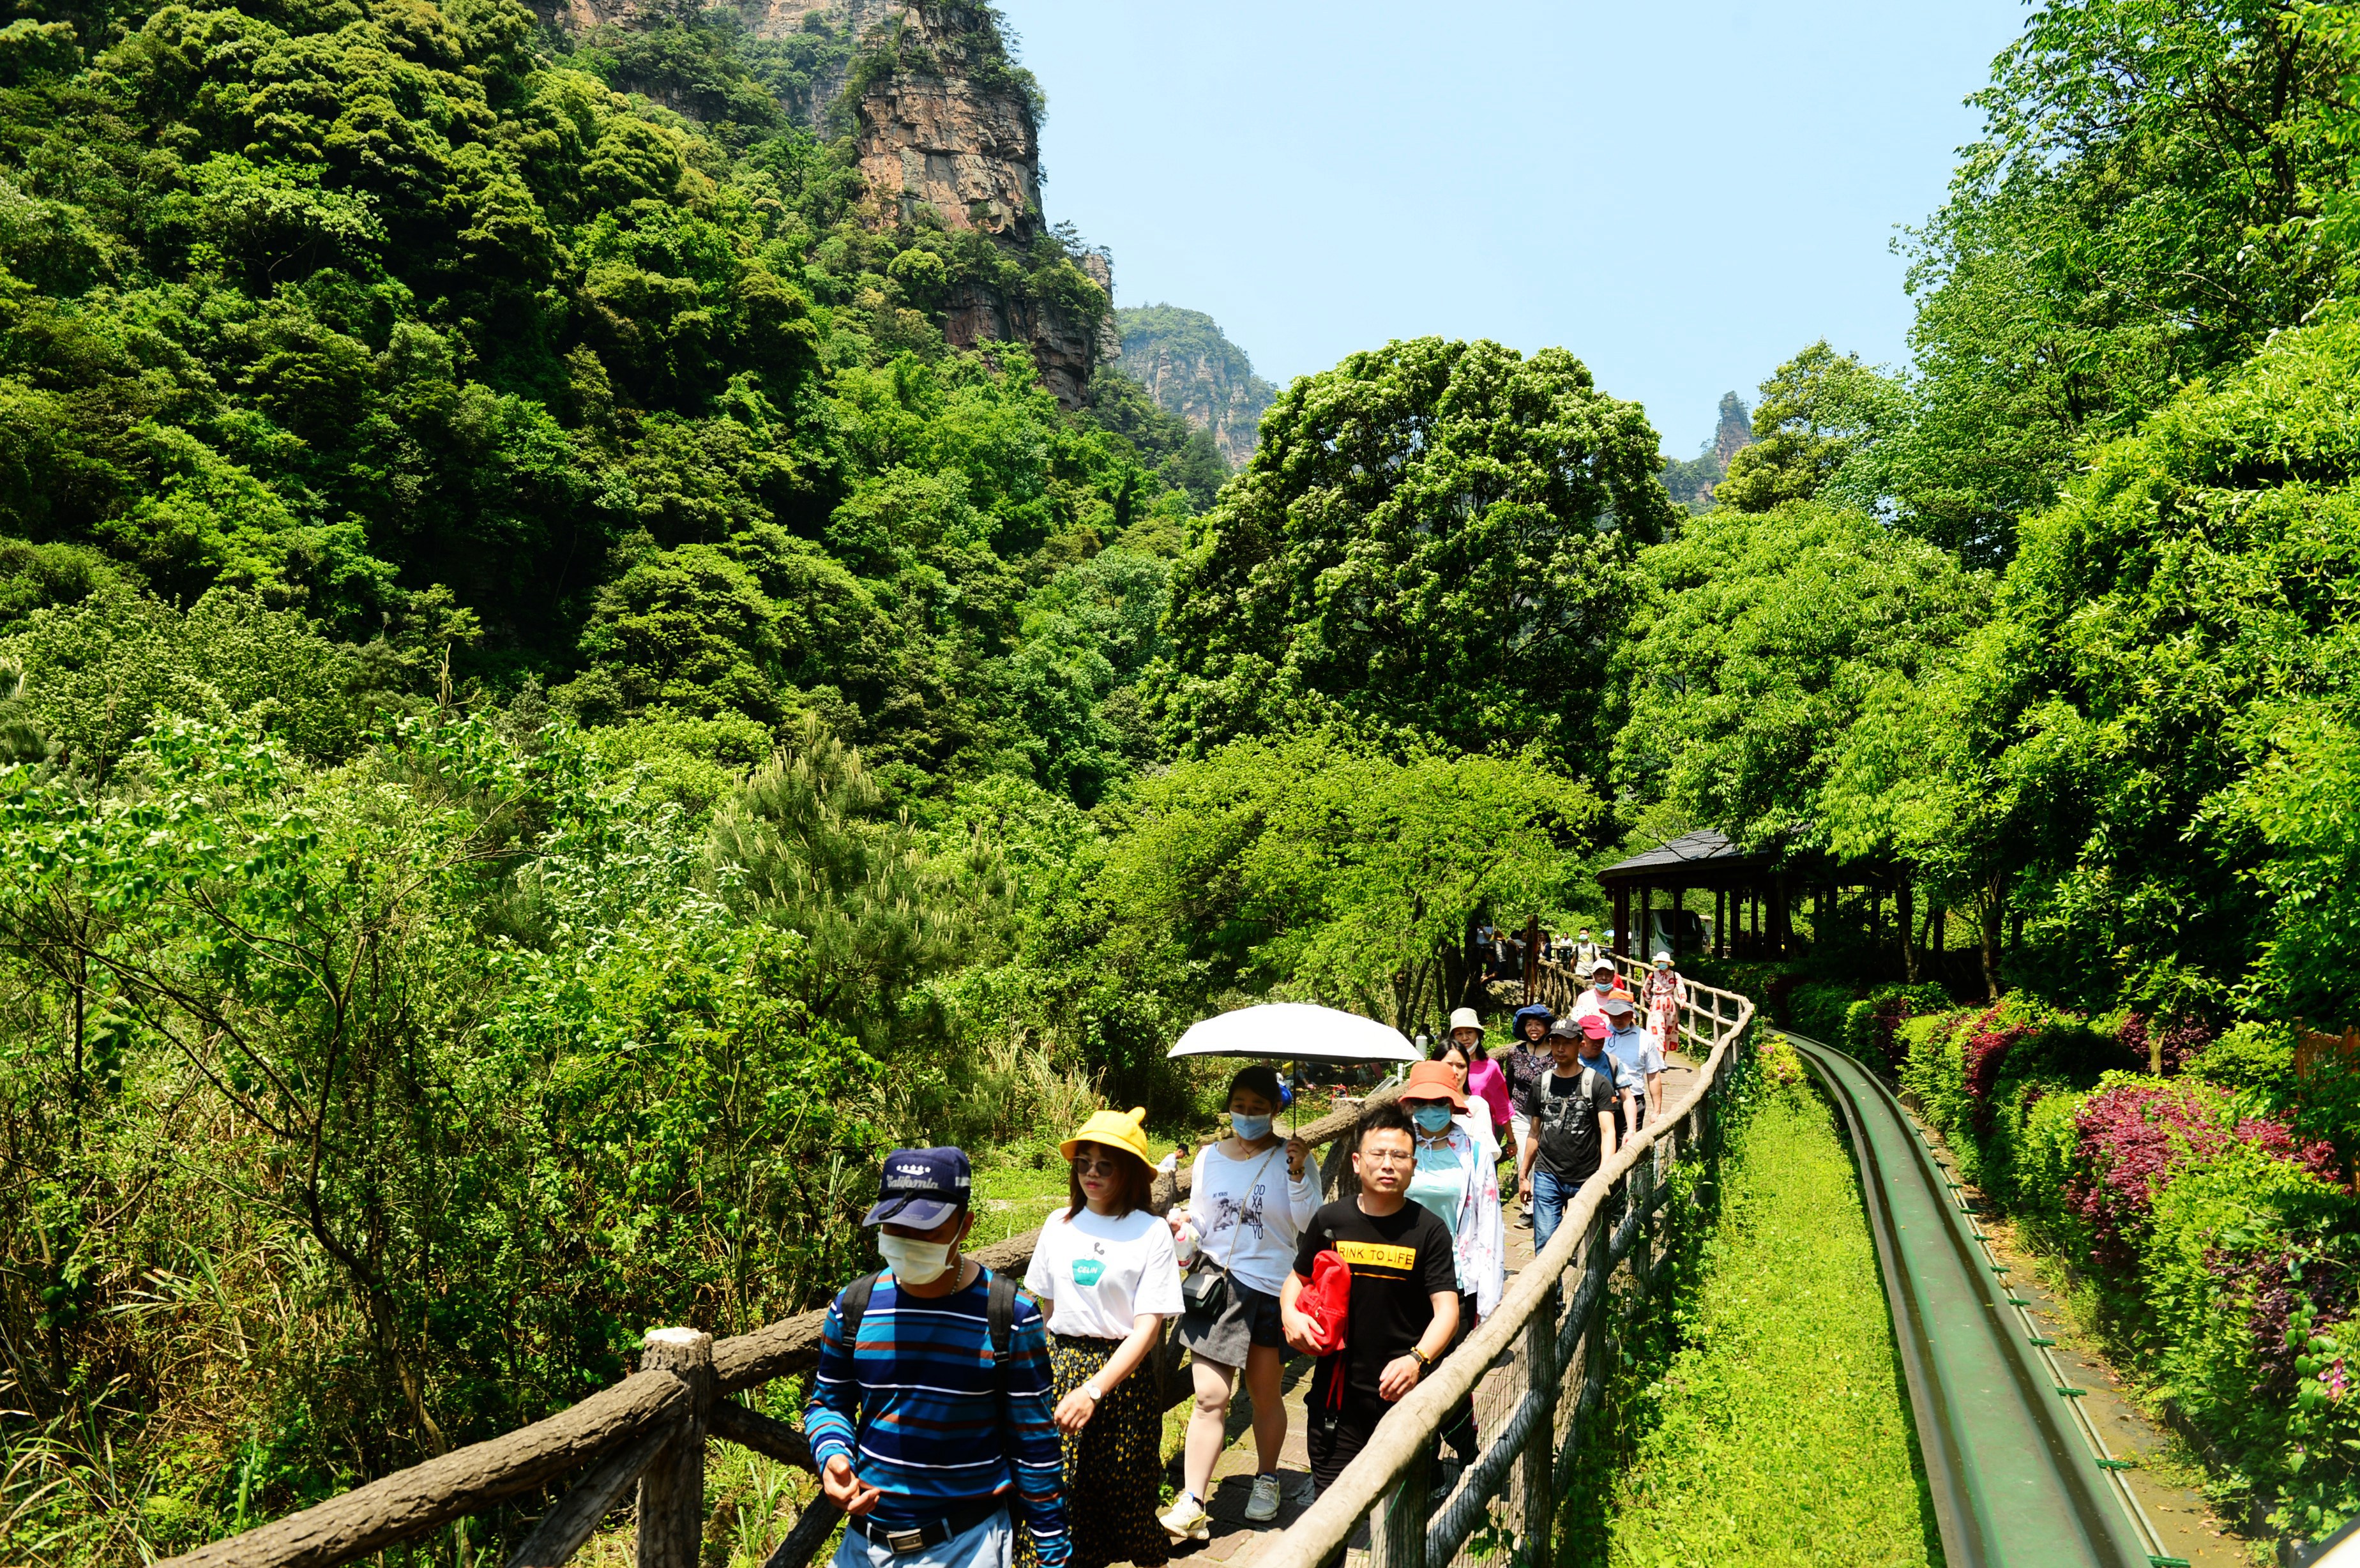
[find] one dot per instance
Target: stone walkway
(1237, 1541)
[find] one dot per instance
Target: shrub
(1817, 1010)
(2224, 1246)
(2169, 1040)
(1872, 1025)
(2253, 1056)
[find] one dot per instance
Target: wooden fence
(651, 1429)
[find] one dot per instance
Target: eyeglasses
(1105, 1165)
(1388, 1157)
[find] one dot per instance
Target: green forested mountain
(1194, 370)
(547, 716)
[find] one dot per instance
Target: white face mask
(914, 1262)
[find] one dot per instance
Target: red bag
(1327, 1301)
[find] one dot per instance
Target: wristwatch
(1423, 1360)
(1092, 1390)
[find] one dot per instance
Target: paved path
(1236, 1541)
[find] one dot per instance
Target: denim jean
(1551, 1197)
(991, 1545)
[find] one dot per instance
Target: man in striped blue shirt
(924, 1433)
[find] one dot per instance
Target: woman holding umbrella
(1250, 1196)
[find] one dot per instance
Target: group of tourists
(948, 1409)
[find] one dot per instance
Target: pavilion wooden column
(1622, 919)
(1646, 918)
(1721, 922)
(1679, 909)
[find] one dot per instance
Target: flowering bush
(2135, 1136)
(2223, 1246)
(2182, 1040)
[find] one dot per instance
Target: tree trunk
(1993, 910)
(1905, 920)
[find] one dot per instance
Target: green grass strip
(1782, 1432)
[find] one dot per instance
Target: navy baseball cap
(922, 1187)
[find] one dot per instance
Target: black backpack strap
(855, 1306)
(999, 1316)
(999, 1319)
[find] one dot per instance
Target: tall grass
(1779, 1433)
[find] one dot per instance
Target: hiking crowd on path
(949, 1409)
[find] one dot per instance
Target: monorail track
(2020, 1478)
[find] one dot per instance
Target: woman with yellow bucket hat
(1106, 1276)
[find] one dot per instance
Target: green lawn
(1783, 1432)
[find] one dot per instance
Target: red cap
(1595, 1026)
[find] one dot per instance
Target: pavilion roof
(1693, 859)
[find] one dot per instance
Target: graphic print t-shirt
(1567, 1123)
(1399, 1263)
(1097, 1273)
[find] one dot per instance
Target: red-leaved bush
(2273, 1292)
(2133, 1139)
(1983, 1054)
(2182, 1040)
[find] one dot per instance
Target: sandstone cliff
(945, 131)
(1196, 373)
(1691, 483)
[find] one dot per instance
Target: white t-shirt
(1097, 1273)
(1248, 1215)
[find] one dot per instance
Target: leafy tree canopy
(1430, 537)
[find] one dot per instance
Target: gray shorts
(1248, 1317)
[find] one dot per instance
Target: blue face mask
(1250, 1127)
(1433, 1118)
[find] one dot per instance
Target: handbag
(1328, 1302)
(1204, 1290)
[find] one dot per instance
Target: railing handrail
(1400, 1437)
(412, 1502)
(628, 1423)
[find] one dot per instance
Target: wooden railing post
(1398, 1536)
(1539, 1524)
(672, 1488)
(1642, 1192)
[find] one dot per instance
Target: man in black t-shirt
(1404, 1305)
(1573, 1125)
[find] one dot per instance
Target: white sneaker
(1187, 1521)
(1262, 1506)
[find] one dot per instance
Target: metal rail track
(2020, 1476)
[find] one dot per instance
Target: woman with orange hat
(1459, 1185)
(1106, 1276)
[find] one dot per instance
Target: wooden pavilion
(1749, 892)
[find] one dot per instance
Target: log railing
(651, 1429)
(1555, 1322)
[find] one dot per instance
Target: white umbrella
(1295, 1031)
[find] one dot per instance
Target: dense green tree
(1757, 640)
(1816, 431)
(2139, 212)
(2128, 755)
(1430, 537)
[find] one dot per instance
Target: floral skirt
(1114, 1466)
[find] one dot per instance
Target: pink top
(1486, 1082)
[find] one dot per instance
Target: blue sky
(1682, 192)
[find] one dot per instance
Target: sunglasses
(1097, 1165)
